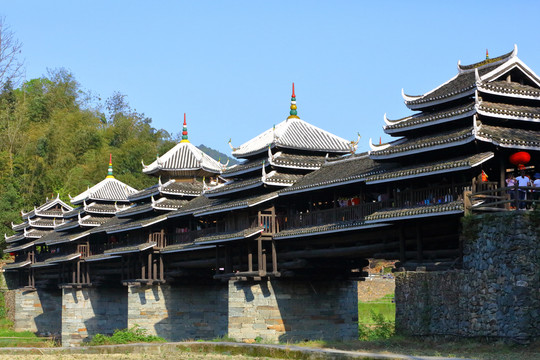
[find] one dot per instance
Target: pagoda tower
(36, 224)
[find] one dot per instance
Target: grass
(384, 306)
(134, 334)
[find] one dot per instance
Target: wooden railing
(430, 195)
(348, 213)
(190, 236)
(504, 199)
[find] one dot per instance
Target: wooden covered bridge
(269, 247)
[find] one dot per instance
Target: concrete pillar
(38, 311)
(89, 311)
(285, 310)
(179, 312)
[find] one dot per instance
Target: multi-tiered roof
(36, 224)
(487, 105)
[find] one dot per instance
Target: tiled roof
(510, 88)
(64, 237)
(281, 179)
(135, 209)
(13, 238)
(179, 247)
(132, 224)
(182, 188)
(426, 143)
(510, 111)
(18, 248)
(509, 137)
(18, 227)
(326, 228)
(230, 236)
(455, 207)
(169, 204)
(245, 167)
(234, 186)
(74, 212)
(308, 162)
(130, 249)
(16, 265)
(462, 84)
(428, 118)
(108, 189)
(146, 193)
(36, 234)
(199, 203)
(43, 208)
(101, 208)
(228, 205)
(45, 223)
(183, 157)
(482, 63)
(57, 259)
(431, 168)
(51, 212)
(294, 134)
(100, 257)
(352, 169)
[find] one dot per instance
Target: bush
(125, 336)
(381, 328)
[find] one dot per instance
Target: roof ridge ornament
(487, 54)
(354, 144)
(110, 170)
(263, 171)
(232, 147)
(184, 132)
(477, 77)
(293, 113)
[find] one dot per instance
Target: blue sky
(229, 64)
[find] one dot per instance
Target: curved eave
(128, 213)
(139, 249)
(192, 194)
(137, 226)
(363, 226)
(233, 190)
(14, 266)
(511, 115)
(232, 238)
(103, 258)
(441, 99)
(256, 168)
(510, 65)
(429, 173)
(428, 148)
(527, 95)
(200, 171)
(405, 129)
(19, 248)
(509, 145)
(191, 247)
(325, 185)
(416, 216)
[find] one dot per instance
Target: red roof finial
(293, 90)
(184, 131)
(110, 158)
(487, 54)
(184, 119)
(380, 140)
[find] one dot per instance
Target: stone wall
(497, 293)
(89, 311)
(284, 310)
(180, 312)
(39, 311)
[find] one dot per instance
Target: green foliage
(56, 138)
(382, 328)
(125, 336)
(216, 155)
(471, 226)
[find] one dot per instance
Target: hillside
(216, 155)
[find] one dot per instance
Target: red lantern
(521, 157)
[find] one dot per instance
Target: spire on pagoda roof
(184, 132)
(110, 170)
(293, 113)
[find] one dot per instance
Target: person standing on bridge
(522, 181)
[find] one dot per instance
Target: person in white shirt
(522, 181)
(536, 192)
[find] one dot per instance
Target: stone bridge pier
(496, 294)
(293, 310)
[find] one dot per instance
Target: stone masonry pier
(39, 311)
(180, 312)
(292, 310)
(497, 294)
